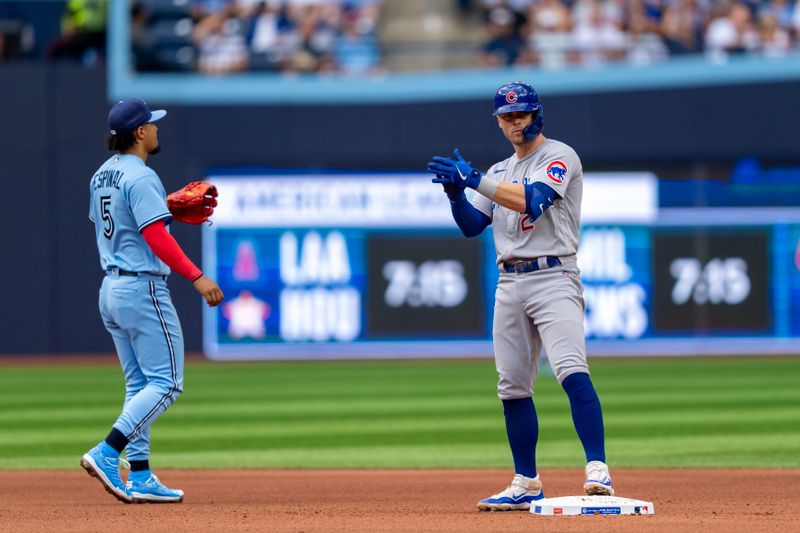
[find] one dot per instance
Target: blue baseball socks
(522, 428)
(586, 415)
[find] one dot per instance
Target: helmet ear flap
(533, 129)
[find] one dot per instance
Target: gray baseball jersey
(545, 307)
(555, 233)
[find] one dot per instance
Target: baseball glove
(194, 203)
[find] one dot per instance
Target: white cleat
(516, 497)
(598, 480)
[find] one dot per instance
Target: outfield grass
(741, 412)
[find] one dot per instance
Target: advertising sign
(364, 265)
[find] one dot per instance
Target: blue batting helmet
(519, 96)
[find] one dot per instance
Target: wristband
(487, 187)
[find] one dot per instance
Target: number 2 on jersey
(108, 228)
(526, 224)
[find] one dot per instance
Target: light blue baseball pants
(139, 314)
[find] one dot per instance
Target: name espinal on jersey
(125, 196)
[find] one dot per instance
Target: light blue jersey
(125, 195)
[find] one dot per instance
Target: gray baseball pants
(535, 309)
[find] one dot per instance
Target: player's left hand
(209, 290)
(455, 171)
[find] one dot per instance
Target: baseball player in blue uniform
(532, 200)
(129, 211)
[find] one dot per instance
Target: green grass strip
(680, 412)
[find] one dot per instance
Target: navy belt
(115, 270)
(532, 265)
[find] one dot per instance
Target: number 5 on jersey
(108, 228)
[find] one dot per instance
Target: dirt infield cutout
(696, 500)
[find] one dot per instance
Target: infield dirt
(696, 500)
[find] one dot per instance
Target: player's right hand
(208, 290)
(456, 171)
(453, 192)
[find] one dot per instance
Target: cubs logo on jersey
(556, 171)
(511, 97)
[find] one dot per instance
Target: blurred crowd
(210, 36)
(58, 30)
(555, 33)
(341, 36)
(222, 36)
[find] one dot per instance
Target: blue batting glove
(456, 171)
(453, 192)
(444, 170)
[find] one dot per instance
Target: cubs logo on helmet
(511, 97)
(556, 171)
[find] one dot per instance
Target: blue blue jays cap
(129, 114)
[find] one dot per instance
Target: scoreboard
(352, 265)
(714, 280)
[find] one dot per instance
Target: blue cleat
(517, 496)
(151, 490)
(598, 480)
(99, 463)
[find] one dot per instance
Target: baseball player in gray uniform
(533, 202)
